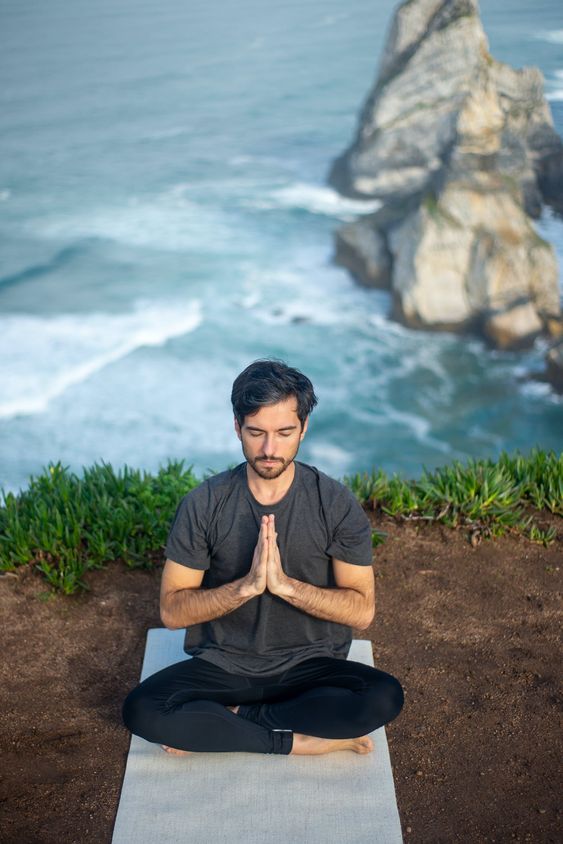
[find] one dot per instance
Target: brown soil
(471, 632)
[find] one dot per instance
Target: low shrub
(64, 525)
(489, 497)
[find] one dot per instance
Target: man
(268, 567)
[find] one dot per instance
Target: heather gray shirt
(215, 529)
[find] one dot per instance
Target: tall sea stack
(461, 152)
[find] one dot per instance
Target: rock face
(554, 370)
(461, 152)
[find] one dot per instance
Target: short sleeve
(187, 540)
(351, 537)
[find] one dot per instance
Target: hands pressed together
(346, 604)
(266, 571)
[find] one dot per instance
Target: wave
(419, 427)
(169, 221)
(554, 36)
(307, 293)
(556, 93)
(317, 199)
(333, 457)
(298, 312)
(174, 221)
(59, 260)
(49, 355)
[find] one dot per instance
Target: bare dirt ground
(471, 632)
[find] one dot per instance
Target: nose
(269, 448)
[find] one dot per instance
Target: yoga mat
(231, 798)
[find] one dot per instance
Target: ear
(304, 431)
(237, 429)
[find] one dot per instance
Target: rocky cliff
(461, 151)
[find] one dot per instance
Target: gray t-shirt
(215, 529)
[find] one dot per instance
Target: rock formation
(554, 370)
(461, 152)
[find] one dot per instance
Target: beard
(269, 472)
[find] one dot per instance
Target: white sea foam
(289, 295)
(554, 36)
(169, 221)
(300, 310)
(48, 355)
(555, 86)
(330, 457)
(249, 300)
(536, 389)
(419, 427)
(318, 199)
(388, 330)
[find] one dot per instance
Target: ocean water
(165, 219)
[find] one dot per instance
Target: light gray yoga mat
(251, 797)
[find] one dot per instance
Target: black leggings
(184, 705)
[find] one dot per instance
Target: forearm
(344, 606)
(186, 607)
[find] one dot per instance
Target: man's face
(271, 437)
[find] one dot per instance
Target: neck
(270, 491)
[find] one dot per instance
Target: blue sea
(165, 219)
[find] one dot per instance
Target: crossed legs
(318, 706)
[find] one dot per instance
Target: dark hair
(267, 382)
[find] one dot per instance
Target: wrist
(246, 588)
(285, 587)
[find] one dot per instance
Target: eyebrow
(262, 431)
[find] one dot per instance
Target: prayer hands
(275, 575)
(266, 569)
(257, 576)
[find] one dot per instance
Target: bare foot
(315, 746)
(174, 751)
(306, 745)
(233, 708)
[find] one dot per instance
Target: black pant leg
(329, 698)
(184, 706)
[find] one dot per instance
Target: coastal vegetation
(487, 497)
(63, 524)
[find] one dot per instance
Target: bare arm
(354, 606)
(351, 602)
(183, 603)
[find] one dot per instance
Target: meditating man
(268, 566)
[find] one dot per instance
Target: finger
(271, 548)
(274, 551)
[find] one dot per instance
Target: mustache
(271, 459)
